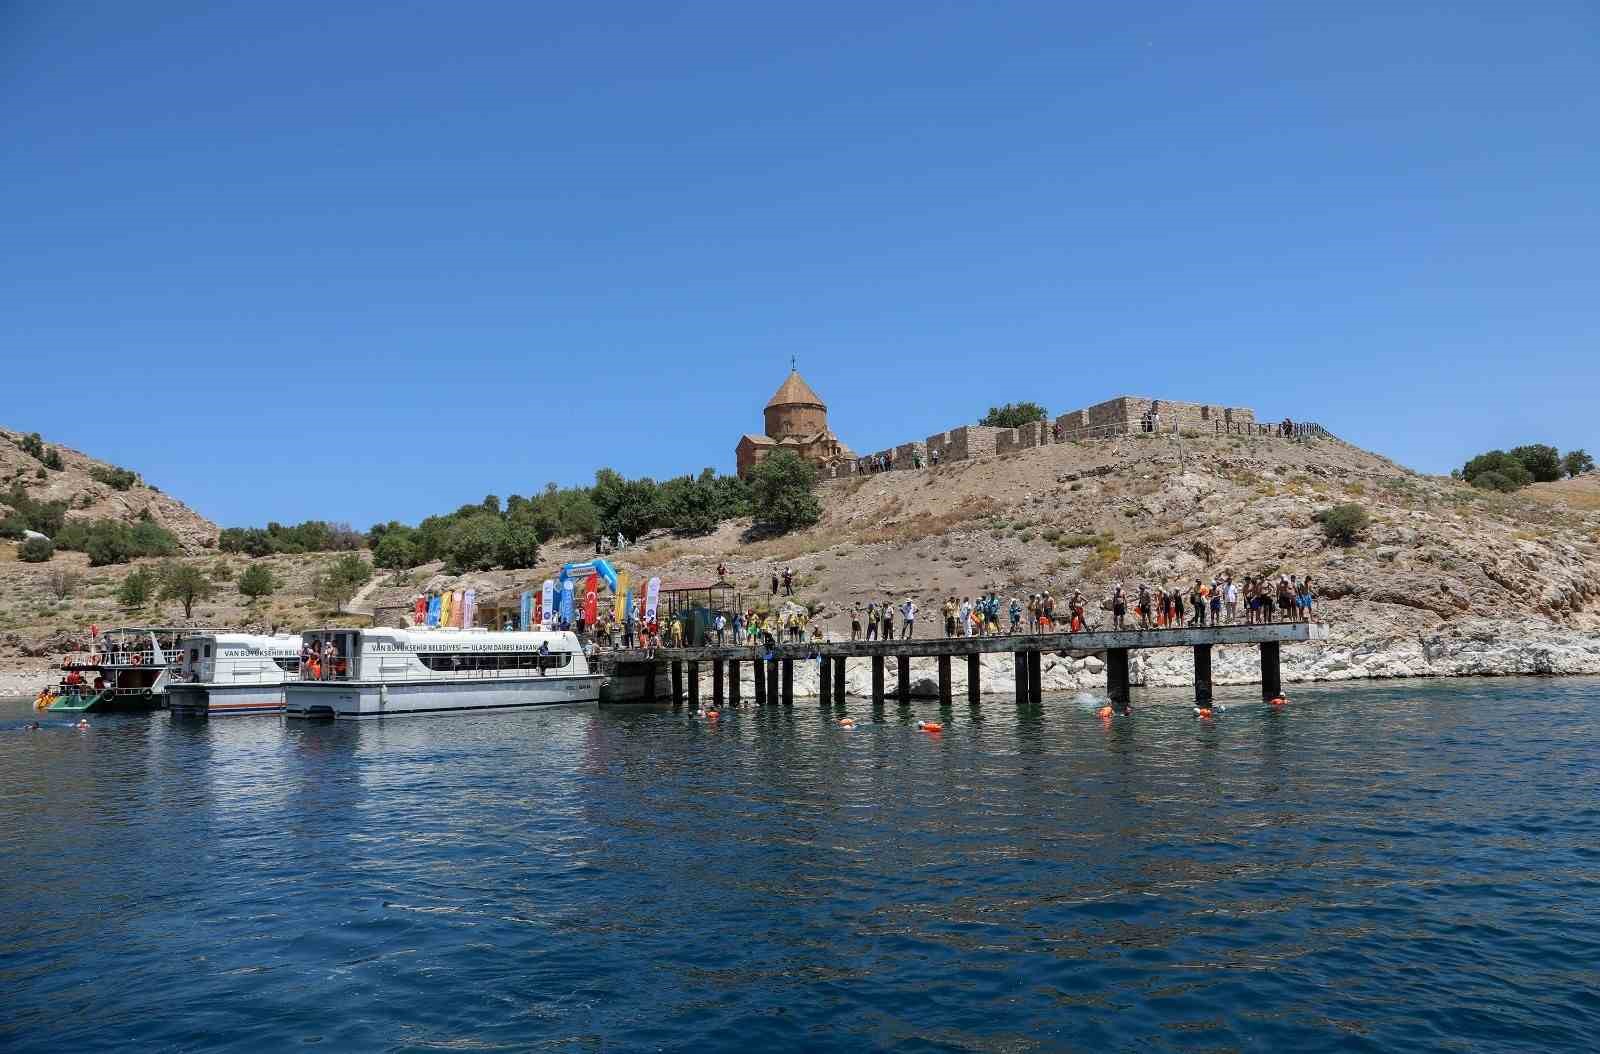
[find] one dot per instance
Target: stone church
(797, 420)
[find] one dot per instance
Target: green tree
(135, 590)
(632, 506)
(113, 477)
(32, 445)
(258, 581)
(338, 583)
(1343, 524)
(474, 543)
(1013, 415)
(52, 459)
(519, 545)
(1577, 462)
(781, 492)
(36, 550)
(185, 583)
(396, 549)
(1542, 461)
(1496, 470)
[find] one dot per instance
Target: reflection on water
(1379, 866)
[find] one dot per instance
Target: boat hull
(356, 700)
(222, 700)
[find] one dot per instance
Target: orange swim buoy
(929, 726)
(1279, 701)
(1203, 712)
(1104, 711)
(712, 715)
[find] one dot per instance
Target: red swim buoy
(712, 715)
(1203, 713)
(929, 726)
(1104, 711)
(1279, 701)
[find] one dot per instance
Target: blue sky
(358, 262)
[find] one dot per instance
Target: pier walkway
(774, 668)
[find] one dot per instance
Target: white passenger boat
(232, 673)
(383, 672)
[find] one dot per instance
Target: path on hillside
(357, 605)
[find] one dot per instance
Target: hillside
(1447, 579)
(90, 499)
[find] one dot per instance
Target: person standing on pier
(722, 626)
(887, 610)
(774, 583)
(1232, 599)
(908, 619)
(1016, 616)
(964, 612)
(872, 620)
(950, 610)
(855, 621)
(1119, 607)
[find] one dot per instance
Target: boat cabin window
(452, 662)
(330, 655)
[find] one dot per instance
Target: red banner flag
(591, 599)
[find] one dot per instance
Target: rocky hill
(1446, 580)
(89, 498)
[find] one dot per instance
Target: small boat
(223, 673)
(383, 672)
(130, 670)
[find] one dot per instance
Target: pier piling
(877, 680)
(1202, 674)
(1117, 675)
(694, 684)
(838, 678)
(902, 690)
(788, 682)
(1019, 661)
(733, 682)
(1035, 677)
(716, 683)
(677, 683)
(1271, 671)
(944, 680)
(758, 670)
(773, 699)
(974, 678)
(825, 680)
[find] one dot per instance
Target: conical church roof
(795, 391)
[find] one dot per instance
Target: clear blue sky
(359, 261)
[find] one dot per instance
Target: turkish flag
(591, 599)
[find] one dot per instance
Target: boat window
(288, 665)
(453, 662)
(208, 651)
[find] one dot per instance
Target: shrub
(396, 550)
(339, 583)
(32, 445)
(136, 589)
(257, 581)
(113, 477)
(1343, 524)
(1577, 462)
(64, 583)
(1497, 470)
(36, 550)
(1012, 415)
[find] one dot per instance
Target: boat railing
(124, 658)
(399, 669)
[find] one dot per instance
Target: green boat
(78, 702)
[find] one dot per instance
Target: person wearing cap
(908, 619)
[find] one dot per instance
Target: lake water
(1407, 865)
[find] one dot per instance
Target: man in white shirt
(966, 617)
(1232, 599)
(722, 624)
(908, 620)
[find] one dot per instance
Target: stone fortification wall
(1120, 416)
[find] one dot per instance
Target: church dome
(794, 391)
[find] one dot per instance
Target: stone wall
(906, 455)
(970, 441)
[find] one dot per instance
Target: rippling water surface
(1401, 866)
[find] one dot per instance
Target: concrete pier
(774, 670)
